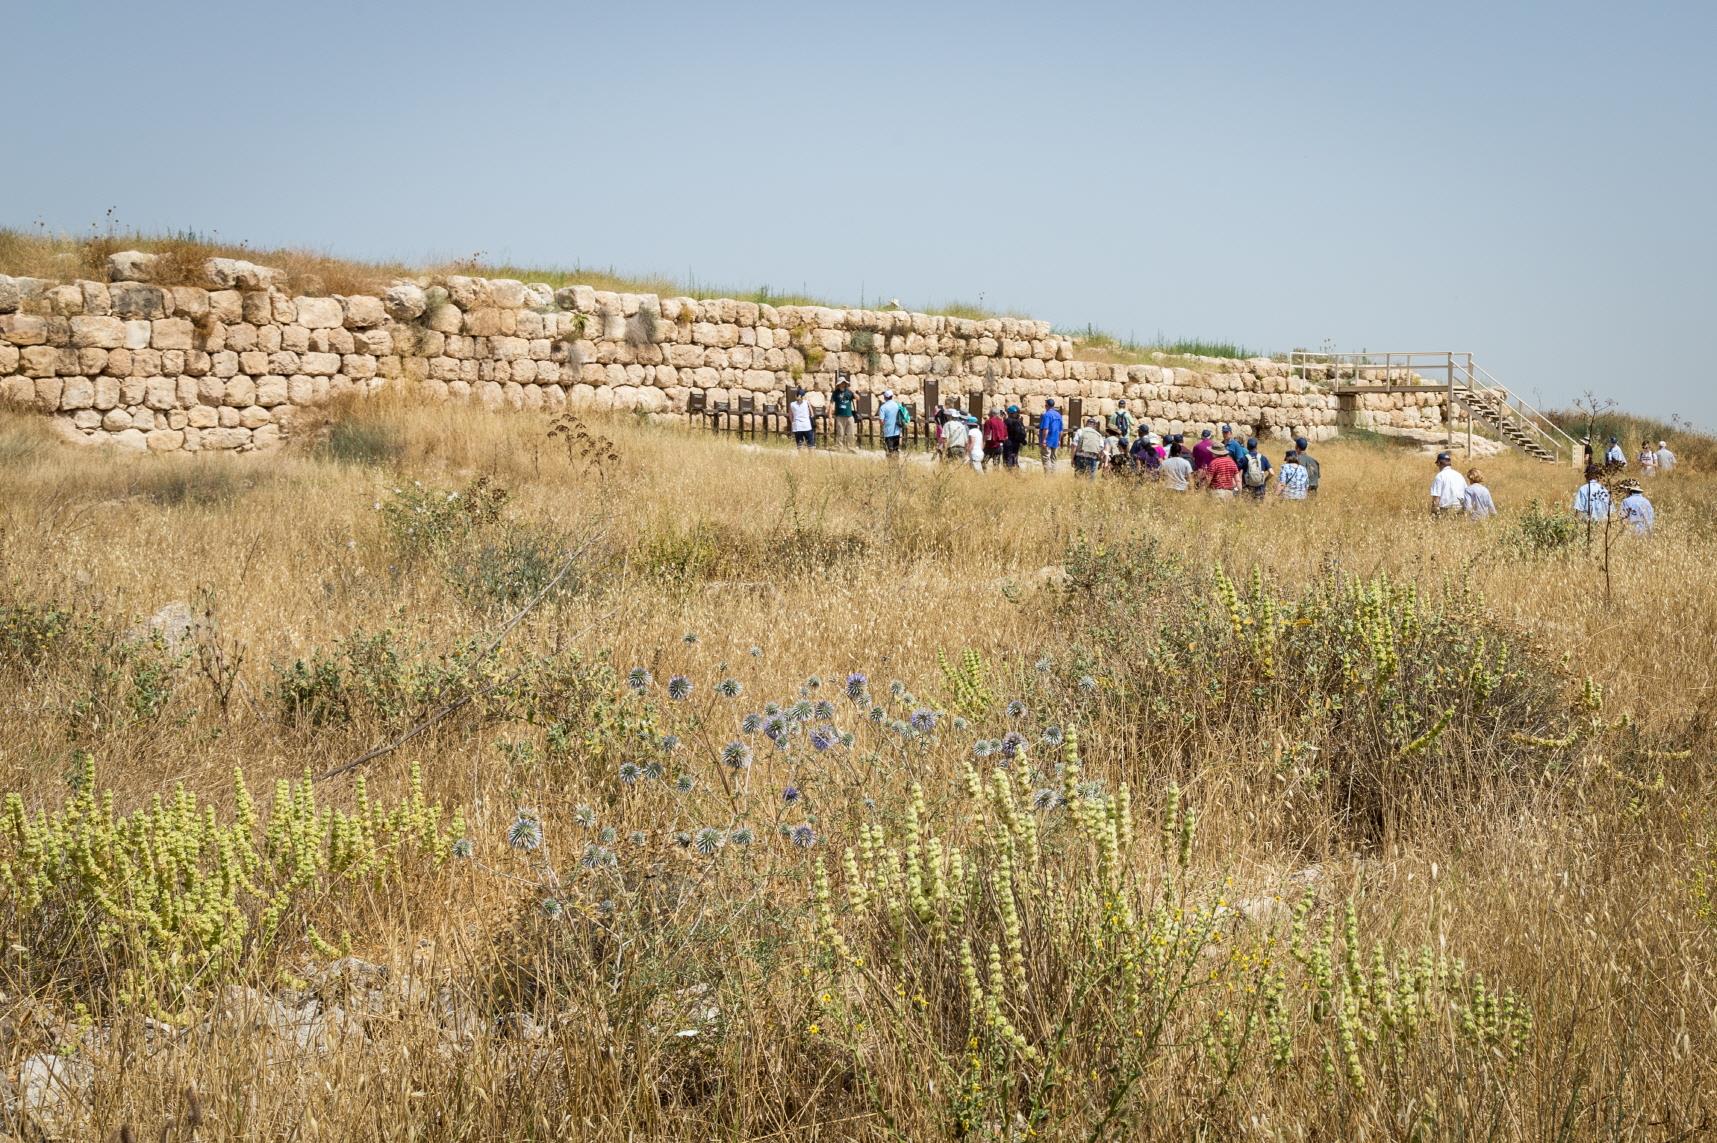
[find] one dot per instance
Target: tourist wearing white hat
(1665, 458)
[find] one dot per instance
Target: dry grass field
(822, 798)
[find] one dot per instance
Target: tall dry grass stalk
(547, 979)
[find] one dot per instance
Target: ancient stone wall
(235, 363)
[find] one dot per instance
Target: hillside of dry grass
(744, 794)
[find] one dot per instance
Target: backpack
(1254, 470)
(904, 418)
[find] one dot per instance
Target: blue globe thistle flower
(526, 833)
(679, 688)
(824, 710)
(814, 681)
(959, 723)
(1045, 799)
(1052, 735)
(637, 837)
(638, 678)
(682, 839)
(896, 687)
(1016, 709)
(630, 773)
(597, 857)
(607, 836)
(685, 784)
(804, 836)
(790, 795)
(908, 698)
(981, 748)
(923, 721)
(877, 714)
(771, 708)
(751, 723)
(1044, 664)
(670, 742)
(653, 770)
(847, 739)
(551, 908)
(742, 836)
(802, 711)
(463, 848)
(1011, 742)
(755, 652)
(689, 637)
(856, 686)
(1087, 683)
(729, 688)
(1091, 789)
(583, 816)
(736, 755)
(822, 738)
(708, 840)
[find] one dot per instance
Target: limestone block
(404, 301)
(226, 305)
(445, 318)
(139, 300)
(236, 273)
(469, 293)
(319, 364)
(24, 329)
(131, 266)
(39, 361)
(162, 393)
(171, 333)
(239, 392)
(363, 312)
(77, 393)
(164, 440)
(358, 366)
(254, 416)
(319, 313)
(11, 297)
(97, 332)
(225, 438)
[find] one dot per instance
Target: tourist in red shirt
(1224, 476)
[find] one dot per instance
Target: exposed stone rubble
(232, 366)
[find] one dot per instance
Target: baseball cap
(888, 392)
(1300, 442)
(1013, 408)
(1205, 435)
(1049, 402)
(1251, 442)
(971, 420)
(1226, 429)
(1443, 458)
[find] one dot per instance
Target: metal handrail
(1548, 426)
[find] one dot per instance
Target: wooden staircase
(1464, 384)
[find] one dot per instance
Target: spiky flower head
(982, 748)
(790, 794)
(679, 688)
(630, 772)
(551, 908)
(597, 857)
(877, 714)
(638, 678)
(670, 742)
(1016, 709)
(896, 687)
(736, 755)
(814, 681)
(729, 688)
(959, 723)
(847, 739)
(653, 770)
(923, 721)
(1087, 684)
(583, 816)
(751, 723)
(775, 728)
(1044, 664)
(1052, 736)
(822, 738)
(462, 848)
(755, 652)
(685, 783)
(607, 836)
(824, 710)
(771, 708)
(804, 836)
(856, 685)
(802, 711)
(1011, 742)
(708, 840)
(637, 837)
(689, 637)
(525, 834)
(1045, 798)
(742, 836)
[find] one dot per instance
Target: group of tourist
(1219, 462)
(1453, 494)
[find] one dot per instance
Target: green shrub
(357, 440)
(1541, 532)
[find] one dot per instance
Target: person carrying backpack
(1123, 419)
(1088, 449)
(1255, 470)
(954, 438)
(1016, 437)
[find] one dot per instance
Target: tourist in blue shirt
(1636, 510)
(892, 425)
(1049, 428)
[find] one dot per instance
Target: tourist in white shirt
(1448, 488)
(974, 445)
(1647, 459)
(1292, 479)
(799, 416)
(1665, 458)
(1615, 455)
(1592, 501)
(1177, 469)
(1478, 502)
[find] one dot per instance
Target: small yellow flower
(813, 1028)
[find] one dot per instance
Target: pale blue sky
(1529, 181)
